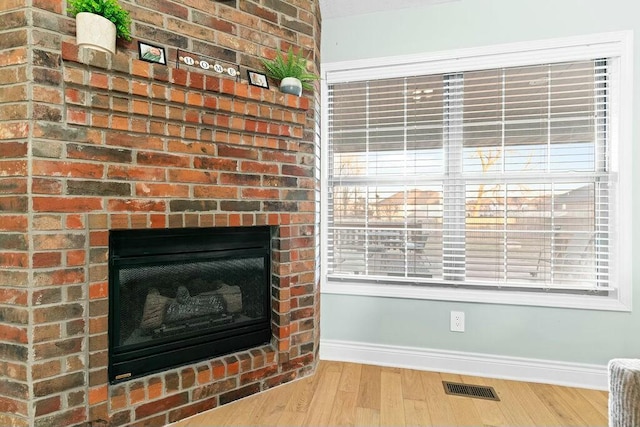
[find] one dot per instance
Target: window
(499, 173)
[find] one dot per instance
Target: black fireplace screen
(179, 296)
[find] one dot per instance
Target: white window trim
(617, 44)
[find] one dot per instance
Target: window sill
(538, 299)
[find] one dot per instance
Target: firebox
(177, 296)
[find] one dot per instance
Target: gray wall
(580, 336)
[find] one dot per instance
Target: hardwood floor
(348, 394)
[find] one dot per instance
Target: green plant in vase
(109, 9)
(290, 69)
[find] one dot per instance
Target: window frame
(617, 45)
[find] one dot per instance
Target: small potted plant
(99, 23)
(291, 70)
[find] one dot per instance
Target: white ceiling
(338, 8)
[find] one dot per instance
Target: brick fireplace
(92, 143)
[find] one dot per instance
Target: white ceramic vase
(291, 85)
(96, 32)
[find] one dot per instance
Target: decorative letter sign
(206, 63)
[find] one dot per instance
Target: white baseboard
(477, 364)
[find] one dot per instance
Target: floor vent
(467, 390)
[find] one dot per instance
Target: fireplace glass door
(179, 296)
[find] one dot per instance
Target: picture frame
(258, 79)
(152, 53)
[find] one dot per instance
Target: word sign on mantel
(206, 63)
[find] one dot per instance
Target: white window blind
(488, 178)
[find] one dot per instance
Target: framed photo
(258, 79)
(151, 53)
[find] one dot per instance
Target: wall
(575, 336)
(14, 221)
(91, 142)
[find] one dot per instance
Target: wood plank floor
(349, 394)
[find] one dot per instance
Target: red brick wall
(14, 244)
(91, 143)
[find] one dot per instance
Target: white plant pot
(291, 85)
(96, 32)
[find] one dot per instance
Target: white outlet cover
(457, 321)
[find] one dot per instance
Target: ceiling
(338, 8)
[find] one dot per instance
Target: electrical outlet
(457, 321)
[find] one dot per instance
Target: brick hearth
(94, 143)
